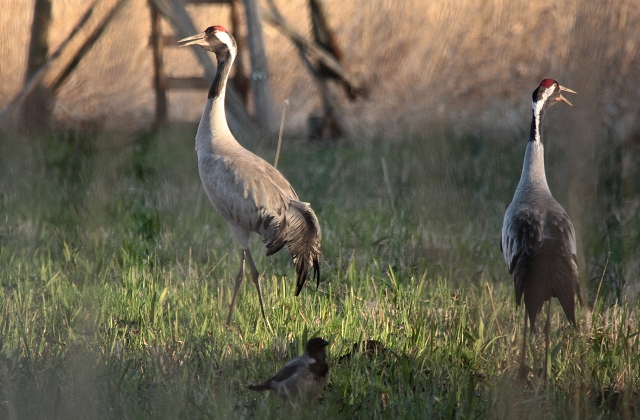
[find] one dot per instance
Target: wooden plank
(186, 83)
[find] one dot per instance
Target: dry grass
(471, 62)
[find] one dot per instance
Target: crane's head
(215, 39)
(548, 93)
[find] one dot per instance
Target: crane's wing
(522, 233)
(246, 190)
(539, 247)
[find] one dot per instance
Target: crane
(249, 193)
(538, 240)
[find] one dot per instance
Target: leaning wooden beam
(327, 59)
(326, 38)
(240, 122)
(331, 103)
(329, 99)
(86, 47)
(42, 71)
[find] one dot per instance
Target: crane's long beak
(562, 98)
(198, 39)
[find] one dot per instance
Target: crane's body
(249, 193)
(538, 238)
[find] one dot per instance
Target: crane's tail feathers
(261, 387)
(300, 231)
(550, 272)
(304, 242)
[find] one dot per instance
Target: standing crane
(538, 240)
(249, 193)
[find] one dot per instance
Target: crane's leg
(547, 341)
(256, 280)
(239, 278)
(522, 372)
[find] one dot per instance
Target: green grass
(116, 277)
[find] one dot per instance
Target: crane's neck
(533, 174)
(213, 130)
(218, 87)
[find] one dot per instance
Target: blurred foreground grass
(116, 275)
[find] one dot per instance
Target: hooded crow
(303, 377)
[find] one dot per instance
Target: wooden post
(240, 79)
(38, 105)
(324, 37)
(259, 69)
(159, 78)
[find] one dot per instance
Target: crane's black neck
(225, 60)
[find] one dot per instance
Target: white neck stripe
(225, 39)
(537, 109)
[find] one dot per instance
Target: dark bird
(369, 349)
(538, 239)
(303, 377)
(249, 193)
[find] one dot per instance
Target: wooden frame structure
(321, 57)
(240, 121)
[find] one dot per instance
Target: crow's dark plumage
(303, 377)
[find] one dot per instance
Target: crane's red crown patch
(547, 83)
(214, 29)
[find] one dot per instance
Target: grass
(116, 276)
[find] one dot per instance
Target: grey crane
(538, 240)
(249, 193)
